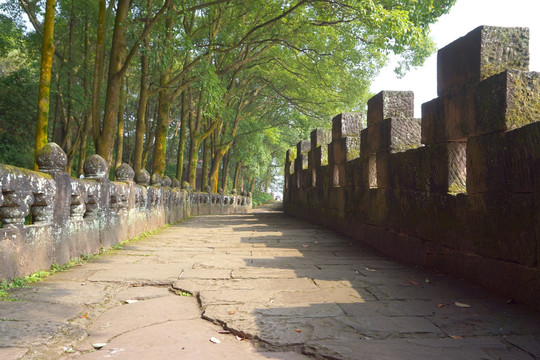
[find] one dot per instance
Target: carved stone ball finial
(220, 191)
(208, 189)
(233, 191)
(95, 167)
(249, 194)
(142, 177)
(51, 158)
(175, 183)
(124, 172)
(185, 185)
(156, 179)
(166, 181)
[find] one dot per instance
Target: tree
(47, 53)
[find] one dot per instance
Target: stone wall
(50, 218)
(457, 191)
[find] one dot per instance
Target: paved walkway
(298, 290)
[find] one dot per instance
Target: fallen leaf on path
(462, 305)
(84, 316)
(413, 282)
(368, 269)
(305, 245)
(240, 338)
(298, 330)
(130, 301)
(214, 340)
(232, 312)
(456, 337)
(224, 332)
(440, 305)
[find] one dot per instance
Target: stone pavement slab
(268, 287)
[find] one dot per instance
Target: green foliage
(261, 198)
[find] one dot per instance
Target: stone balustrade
(458, 190)
(50, 218)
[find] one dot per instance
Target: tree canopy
(193, 88)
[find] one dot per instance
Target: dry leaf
(214, 340)
(224, 332)
(456, 337)
(413, 282)
(240, 338)
(84, 316)
(305, 245)
(232, 312)
(368, 269)
(98, 346)
(462, 305)
(440, 305)
(298, 330)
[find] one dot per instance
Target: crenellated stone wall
(457, 191)
(50, 218)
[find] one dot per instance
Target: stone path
(299, 291)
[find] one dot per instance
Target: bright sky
(465, 16)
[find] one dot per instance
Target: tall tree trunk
(225, 171)
(141, 111)
(207, 156)
(214, 171)
(47, 53)
(194, 144)
(98, 70)
(237, 175)
(120, 132)
(87, 123)
(106, 139)
(182, 141)
(252, 185)
(164, 105)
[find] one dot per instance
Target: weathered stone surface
(95, 167)
(483, 52)
(390, 104)
(448, 167)
(124, 172)
(394, 135)
(142, 177)
(166, 181)
(433, 122)
(507, 101)
(176, 184)
(51, 158)
(320, 138)
(15, 207)
(156, 180)
(346, 125)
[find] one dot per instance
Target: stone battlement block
(346, 125)
(447, 167)
(303, 147)
(432, 122)
(507, 101)
(503, 161)
(394, 135)
(390, 104)
(483, 52)
(301, 163)
(320, 137)
(343, 150)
